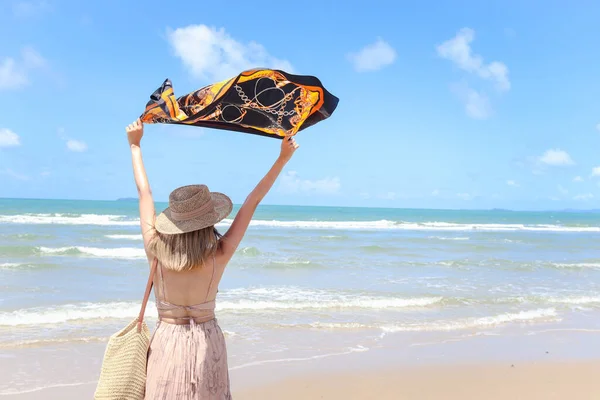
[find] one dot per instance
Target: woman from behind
(187, 357)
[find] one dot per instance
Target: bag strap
(140, 318)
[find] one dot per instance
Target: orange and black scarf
(263, 102)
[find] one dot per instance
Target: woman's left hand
(135, 131)
(288, 147)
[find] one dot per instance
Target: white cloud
(464, 196)
(32, 59)
(477, 105)
(212, 54)
(556, 157)
(25, 9)
(292, 183)
(76, 145)
(584, 197)
(15, 175)
(512, 183)
(596, 171)
(14, 74)
(578, 179)
(458, 50)
(598, 127)
(562, 190)
(8, 138)
(61, 133)
(388, 196)
(373, 57)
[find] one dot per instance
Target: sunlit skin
(232, 238)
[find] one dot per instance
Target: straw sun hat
(192, 208)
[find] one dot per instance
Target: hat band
(198, 212)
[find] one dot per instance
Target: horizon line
(135, 199)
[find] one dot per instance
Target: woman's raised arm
(135, 131)
(236, 232)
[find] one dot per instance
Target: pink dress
(187, 359)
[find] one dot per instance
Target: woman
(187, 357)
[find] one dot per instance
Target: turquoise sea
(307, 282)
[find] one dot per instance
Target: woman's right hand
(288, 147)
(135, 131)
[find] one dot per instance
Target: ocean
(306, 282)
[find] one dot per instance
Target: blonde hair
(185, 251)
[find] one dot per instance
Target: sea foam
(120, 220)
(97, 252)
(528, 316)
(69, 219)
(120, 310)
(125, 237)
(413, 226)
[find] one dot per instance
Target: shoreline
(551, 365)
(394, 363)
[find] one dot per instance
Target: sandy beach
(531, 381)
(555, 365)
(534, 381)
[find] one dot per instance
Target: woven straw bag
(123, 374)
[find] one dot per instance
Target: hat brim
(167, 225)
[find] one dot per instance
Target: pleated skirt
(188, 362)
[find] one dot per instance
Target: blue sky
(462, 105)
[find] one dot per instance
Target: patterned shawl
(263, 102)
